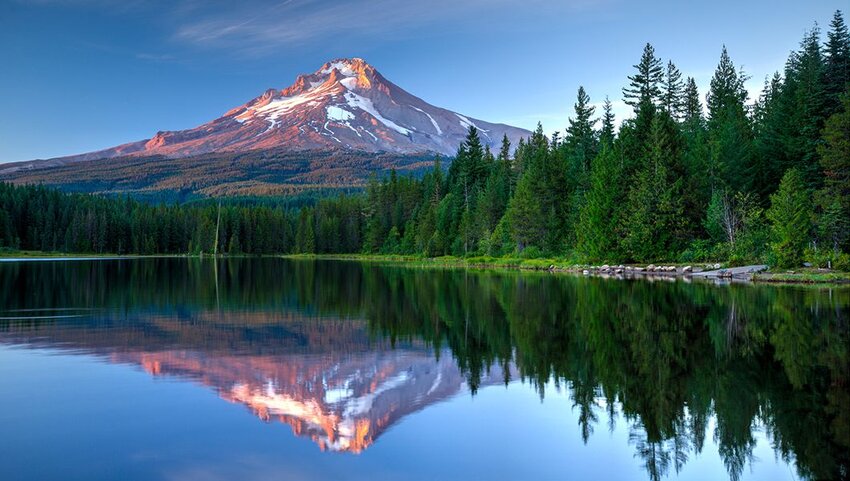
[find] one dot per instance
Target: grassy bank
(800, 276)
(804, 276)
(559, 264)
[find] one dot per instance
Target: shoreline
(802, 276)
(669, 271)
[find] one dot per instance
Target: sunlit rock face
(345, 104)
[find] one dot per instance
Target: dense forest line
(728, 180)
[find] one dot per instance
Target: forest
(689, 177)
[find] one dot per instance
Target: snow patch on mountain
(338, 114)
(365, 104)
(433, 122)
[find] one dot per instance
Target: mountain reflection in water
(341, 351)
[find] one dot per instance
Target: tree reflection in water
(667, 358)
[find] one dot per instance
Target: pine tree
(672, 96)
(834, 224)
(654, 210)
(697, 179)
(729, 130)
(596, 231)
(809, 112)
(790, 216)
(691, 106)
(837, 69)
(581, 141)
(607, 133)
(645, 86)
(408, 241)
(770, 121)
(526, 215)
(835, 161)
(392, 244)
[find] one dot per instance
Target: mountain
(346, 104)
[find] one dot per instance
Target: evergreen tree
(834, 224)
(672, 95)
(526, 215)
(596, 231)
(607, 133)
(770, 121)
(581, 141)
(808, 112)
(837, 69)
(835, 160)
(655, 210)
(645, 86)
(697, 180)
(729, 130)
(691, 106)
(392, 244)
(790, 216)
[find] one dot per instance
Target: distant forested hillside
(260, 172)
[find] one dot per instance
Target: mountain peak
(355, 68)
(345, 104)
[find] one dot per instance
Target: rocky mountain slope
(346, 104)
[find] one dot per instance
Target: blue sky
(80, 75)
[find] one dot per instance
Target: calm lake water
(255, 369)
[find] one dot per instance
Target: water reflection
(341, 351)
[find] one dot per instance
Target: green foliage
(654, 210)
(835, 161)
(645, 85)
(525, 214)
(837, 69)
(599, 218)
(790, 217)
(729, 130)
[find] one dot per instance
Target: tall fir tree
(729, 129)
(837, 69)
(581, 139)
(654, 211)
(808, 112)
(645, 85)
(607, 132)
(596, 232)
(835, 160)
(672, 94)
(697, 180)
(790, 216)
(770, 123)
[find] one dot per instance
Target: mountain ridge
(345, 104)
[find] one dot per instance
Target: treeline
(680, 180)
(38, 218)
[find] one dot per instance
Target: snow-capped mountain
(346, 104)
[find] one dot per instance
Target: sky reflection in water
(266, 368)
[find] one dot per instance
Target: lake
(267, 368)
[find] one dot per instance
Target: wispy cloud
(253, 28)
(263, 26)
(156, 57)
